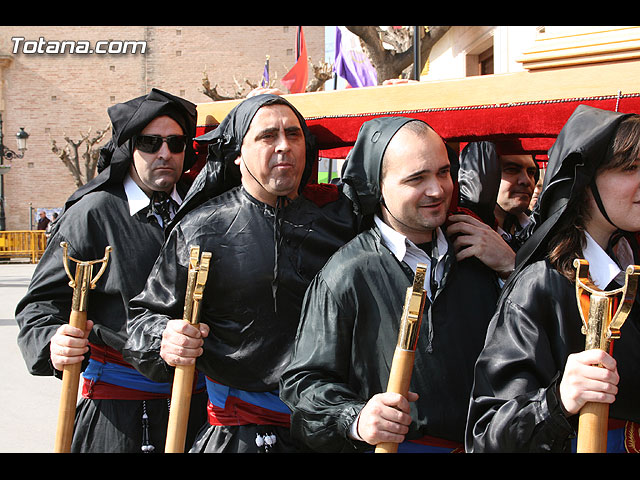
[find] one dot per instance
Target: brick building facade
(53, 95)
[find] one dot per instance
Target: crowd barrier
(22, 244)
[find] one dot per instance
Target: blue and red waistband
(108, 376)
(231, 406)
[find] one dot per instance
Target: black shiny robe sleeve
(515, 405)
(169, 276)
(347, 338)
(99, 219)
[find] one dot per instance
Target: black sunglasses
(152, 143)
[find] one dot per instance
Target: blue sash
(218, 394)
(127, 377)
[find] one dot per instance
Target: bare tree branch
(212, 92)
(70, 155)
(322, 72)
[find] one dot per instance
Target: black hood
(361, 172)
(479, 179)
(127, 120)
(220, 173)
(582, 146)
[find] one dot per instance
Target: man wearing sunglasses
(120, 409)
(269, 231)
(159, 156)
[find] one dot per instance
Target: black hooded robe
(349, 329)
(109, 417)
(515, 405)
(253, 292)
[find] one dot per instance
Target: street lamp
(21, 139)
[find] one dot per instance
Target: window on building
(480, 60)
(485, 62)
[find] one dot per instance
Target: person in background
(52, 223)
(519, 176)
(43, 222)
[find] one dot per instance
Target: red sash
(237, 412)
(106, 391)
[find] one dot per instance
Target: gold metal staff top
(196, 280)
(412, 312)
(83, 282)
(601, 324)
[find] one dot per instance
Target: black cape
(253, 246)
(95, 216)
(263, 258)
(250, 342)
(350, 320)
(515, 404)
(347, 338)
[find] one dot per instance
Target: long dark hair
(569, 239)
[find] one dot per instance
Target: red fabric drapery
(527, 127)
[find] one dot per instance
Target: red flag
(296, 78)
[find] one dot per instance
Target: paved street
(28, 404)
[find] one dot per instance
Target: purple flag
(265, 73)
(350, 61)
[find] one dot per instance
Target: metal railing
(22, 243)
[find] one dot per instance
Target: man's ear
(237, 160)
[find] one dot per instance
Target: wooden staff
(603, 314)
(184, 374)
(81, 285)
(404, 355)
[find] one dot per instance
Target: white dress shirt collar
(602, 268)
(406, 251)
(138, 199)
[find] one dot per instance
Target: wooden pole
(180, 407)
(82, 283)
(184, 374)
(594, 417)
(69, 394)
(399, 380)
(404, 354)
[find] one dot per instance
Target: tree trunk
(390, 63)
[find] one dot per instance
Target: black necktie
(431, 249)
(163, 205)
